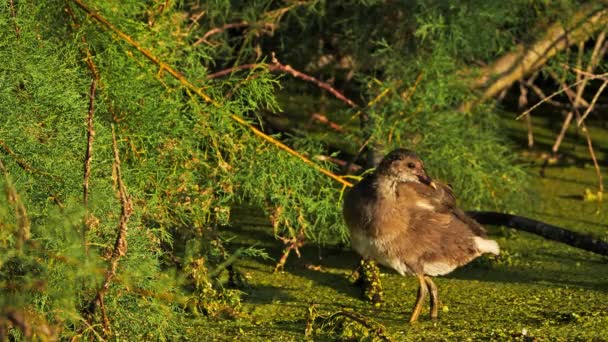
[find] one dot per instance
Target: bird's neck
(386, 186)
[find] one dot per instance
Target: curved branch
(548, 231)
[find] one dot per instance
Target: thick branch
(545, 230)
(526, 59)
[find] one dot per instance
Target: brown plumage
(400, 218)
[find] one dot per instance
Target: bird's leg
(367, 276)
(434, 297)
(422, 293)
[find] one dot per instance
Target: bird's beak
(423, 178)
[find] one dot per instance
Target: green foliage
(186, 164)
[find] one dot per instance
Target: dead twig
(568, 87)
(596, 165)
(575, 99)
(592, 105)
(342, 163)
(318, 117)
(120, 246)
(90, 127)
(292, 244)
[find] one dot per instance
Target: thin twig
(585, 131)
(541, 95)
(267, 26)
(185, 82)
(90, 128)
(22, 163)
(552, 96)
(293, 244)
(195, 18)
(120, 246)
(522, 103)
(591, 75)
(340, 162)
(324, 120)
(90, 135)
(592, 105)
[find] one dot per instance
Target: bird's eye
(411, 165)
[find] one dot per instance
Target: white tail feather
(486, 246)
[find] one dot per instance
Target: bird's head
(403, 165)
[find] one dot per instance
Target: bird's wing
(440, 199)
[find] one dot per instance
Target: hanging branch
(596, 165)
(186, 83)
(120, 246)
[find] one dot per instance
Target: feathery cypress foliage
(185, 163)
